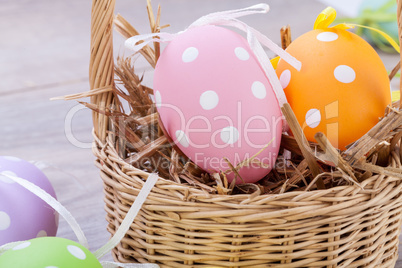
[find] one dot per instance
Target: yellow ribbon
(327, 16)
(274, 61)
(395, 95)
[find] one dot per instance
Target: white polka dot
(327, 36)
(190, 54)
(22, 245)
(12, 158)
(182, 138)
(285, 78)
(158, 99)
(209, 100)
(76, 252)
(241, 53)
(344, 74)
(259, 90)
(41, 233)
(5, 221)
(4, 178)
(313, 118)
(229, 135)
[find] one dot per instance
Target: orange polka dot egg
(342, 88)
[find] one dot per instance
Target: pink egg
(23, 215)
(215, 101)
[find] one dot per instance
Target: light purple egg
(23, 215)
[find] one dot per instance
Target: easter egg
(49, 252)
(342, 88)
(23, 215)
(215, 102)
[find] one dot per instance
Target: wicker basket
(184, 226)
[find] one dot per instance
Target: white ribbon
(255, 39)
(131, 214)
(120, 233)
(51, 201)
(9, 246)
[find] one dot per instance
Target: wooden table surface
(44, 52)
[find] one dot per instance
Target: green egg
(49, 252)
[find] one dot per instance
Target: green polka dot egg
(49, 252)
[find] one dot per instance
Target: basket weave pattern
(180, 226)
(183, 226)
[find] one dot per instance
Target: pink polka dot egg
(49, 252)
(23, 215)
(215, 102)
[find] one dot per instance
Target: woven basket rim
(201, 194)
(172, 228)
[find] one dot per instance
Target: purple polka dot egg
(23, 215)
(216, 103)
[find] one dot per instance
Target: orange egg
(342, 88)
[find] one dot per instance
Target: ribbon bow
(255, 39)
(328, 15)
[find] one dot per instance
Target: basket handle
(101, 66)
